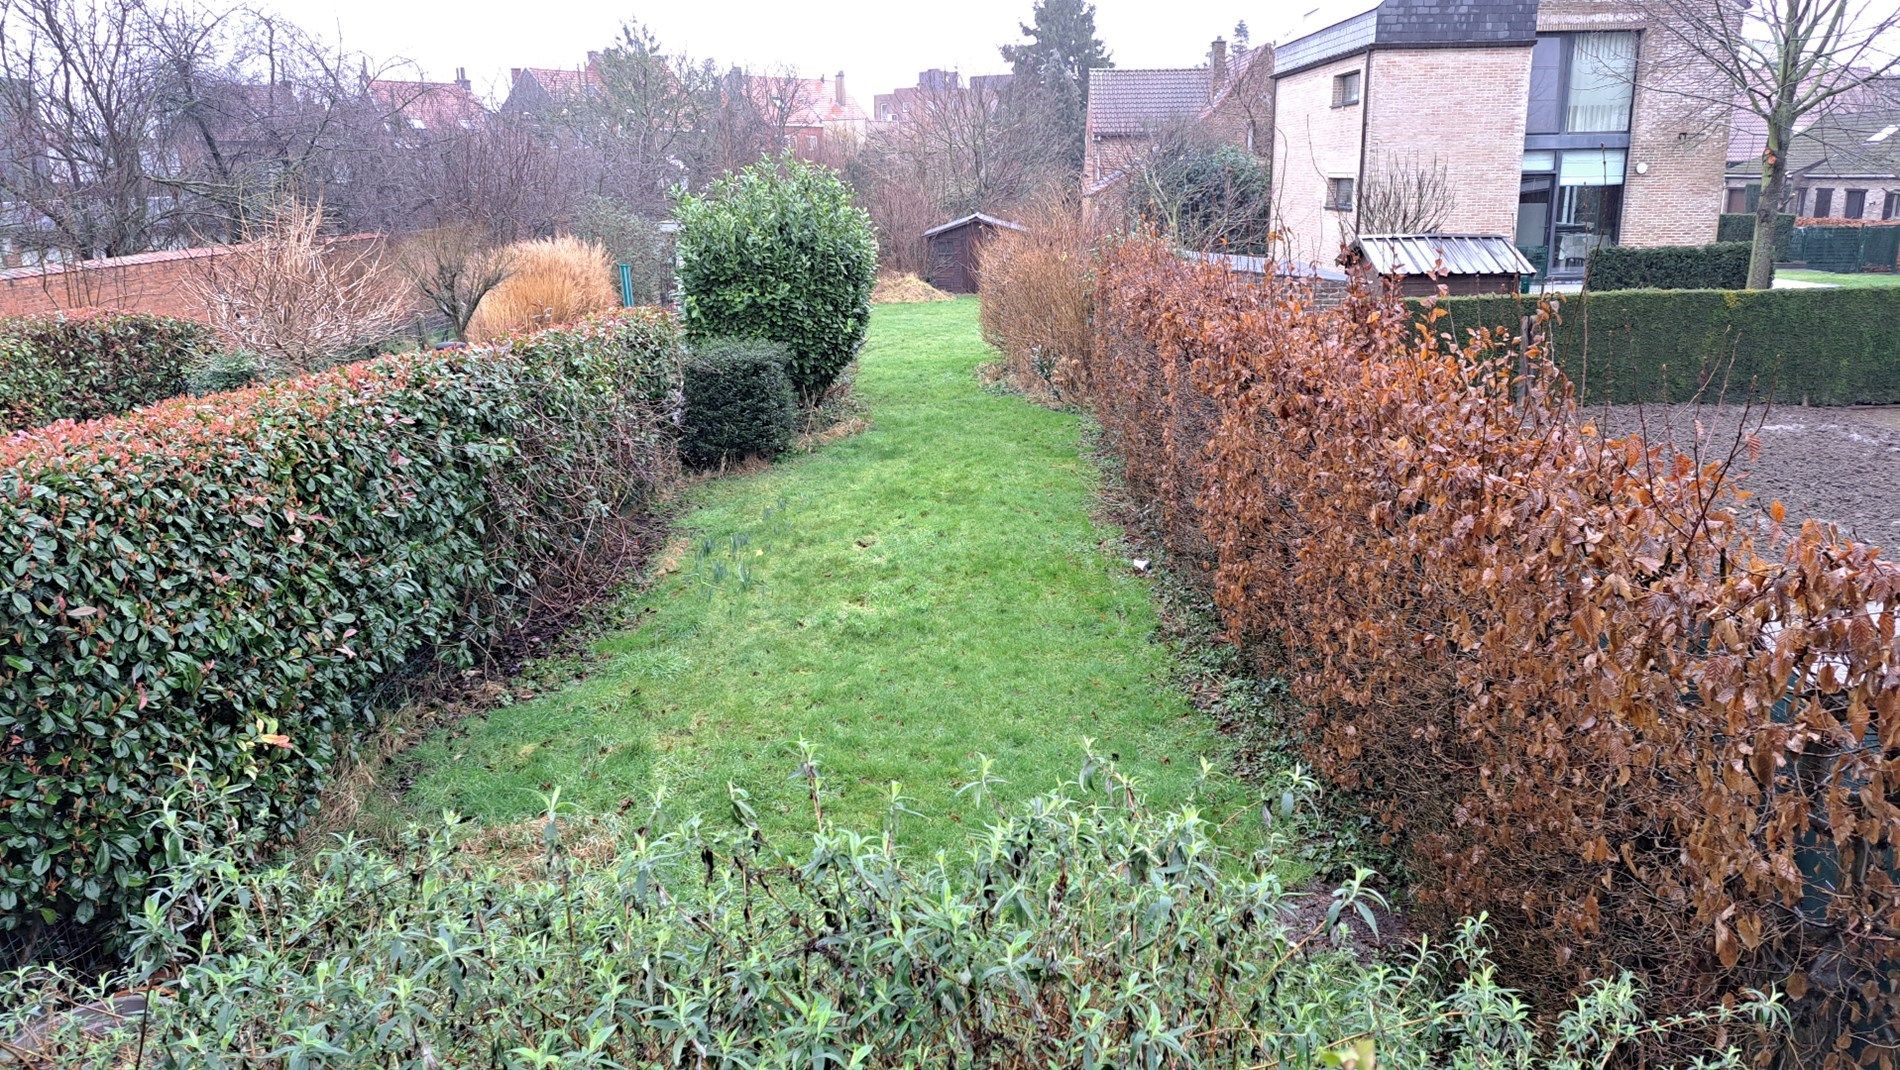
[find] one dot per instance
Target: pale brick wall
(1674, 185)
(1459, 107)
(1312, 142)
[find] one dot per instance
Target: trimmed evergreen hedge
(739, 402)
(780, 250)
(1740, 226)
(83, 365)
(1721, 266)
(208, 589)
(1812, 346)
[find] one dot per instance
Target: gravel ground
(1838, 464)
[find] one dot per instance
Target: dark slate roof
(1137, 101)
(1460, 254)
(1329, 43)
(975, 217)
(1405, 23)
(1409, 24)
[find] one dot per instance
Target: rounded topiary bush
(780, 251)
(739, 402)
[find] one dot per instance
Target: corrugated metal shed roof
(1259, 265)
(1449, 254)
(974, 217)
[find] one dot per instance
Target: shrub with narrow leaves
(1082, 932)
(221, 583)
(739, 402)
(780, 251)
(83, 365)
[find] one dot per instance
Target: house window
(1891, 209)
(1823, 202)
(1581, 83)
(1339, 194)
(1346, 89)
(1856, 204)
(1569, 203)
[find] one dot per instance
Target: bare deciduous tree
(1782, 61)
(454, 267)
(296, 299)
(81, 98)
(1405, 195)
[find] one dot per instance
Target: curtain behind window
(1602, 80)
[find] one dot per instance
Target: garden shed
(955, 246)
(1463, 263)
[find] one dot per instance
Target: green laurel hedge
(739, 402)
(83, 365)
(209, 588)
(1721, 266)
(780, 251)
(1810, 346)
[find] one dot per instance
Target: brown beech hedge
(209, 589)
(1587, 695)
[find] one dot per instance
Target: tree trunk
(1774, 181)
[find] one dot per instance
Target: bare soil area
(1835, 464)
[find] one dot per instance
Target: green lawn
(1862, 281)
(929, 590)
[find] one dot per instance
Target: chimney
(1216, 67)
(461, 78)
(839, 93)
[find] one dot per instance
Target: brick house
(815, 116)
(1851, 118)
(1552, 121)
(1848, 167)
(549, 91)
(429, 106)
(1131, 110)
(933, 86)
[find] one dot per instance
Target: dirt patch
(1835, 464)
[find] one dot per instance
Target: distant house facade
(1552, 122)
(1132, 110)
(429, 107)
(934, 86)
(815, 116)
(547, 92)
(1837, 149)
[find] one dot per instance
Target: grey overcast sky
(879, 44)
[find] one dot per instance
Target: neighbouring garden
(1029, 681)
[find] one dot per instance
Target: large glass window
(1581, 83)
(1568, 204)
(1602, 82)
(1589, 206)
(1546, 114)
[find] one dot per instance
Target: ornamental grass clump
(1083, 930)
(224, 583)
(1588, 698)
(544, 283)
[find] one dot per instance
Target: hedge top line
(200, 422)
